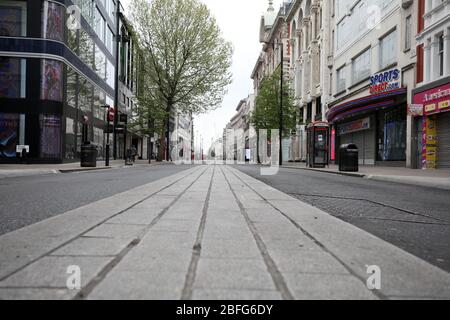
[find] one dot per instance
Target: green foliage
(185, 61)
(266, 114)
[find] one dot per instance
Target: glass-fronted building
(57, 66)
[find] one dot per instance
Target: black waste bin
(89, 156)
(348, 158)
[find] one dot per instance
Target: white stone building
(432, 95)
(309, 44)
(373, 73)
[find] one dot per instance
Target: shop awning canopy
(373, 102)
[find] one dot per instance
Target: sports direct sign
(385, 81)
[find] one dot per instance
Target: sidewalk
(19, 170)
(209, 232)
(426, 178)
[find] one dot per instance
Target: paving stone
(121, 231)
(51, 272)
(241, 295)
(250, 274)
(36, 294)
(327, 287)
(307, 261)
(93, 247)
(137, 216)
(140, 285)
(229, 248)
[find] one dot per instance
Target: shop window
(98, 140)
(70, 150)
(53, 21)
(392, 135)
(12, 77)
(51, 80)
(13, 19)
(99, 102)
(50, 139)
(9, 135)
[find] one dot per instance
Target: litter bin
(348, 158)
(89, 156)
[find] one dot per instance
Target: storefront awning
(373, 102)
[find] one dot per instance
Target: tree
(186, 59)
(266, 114)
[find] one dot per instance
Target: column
(427, 61)
(434, 58)
(447, 52)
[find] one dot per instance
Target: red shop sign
(434, 100)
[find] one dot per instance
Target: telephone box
(318, 135)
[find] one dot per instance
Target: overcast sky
(239, 21)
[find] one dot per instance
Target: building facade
(309, 51)
(56, 74)
(275, 53)
(431, 99)
(373, 75)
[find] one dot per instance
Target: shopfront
(431, 106)
(376, 124)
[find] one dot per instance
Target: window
(388, 49)
(86, 48)
(110, 74)
(12, 77)
(70, 139)
(110, 8)
(361, 66)
(51, 80)
(408, 29)
(340, 79)
(13, 19)
(71, 88)
(9, 134)
(110, 40)
(53, 18)
(50, 136)
(441, 55)
(100, 25)
(100, 62)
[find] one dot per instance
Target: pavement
(439, 179)
(208, 232)
(21, 170)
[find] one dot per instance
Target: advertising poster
(53, 21)
(50, 136)
(9, 77)
(429, 143)
(9, 124)
(10, 21)
(51, 78)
